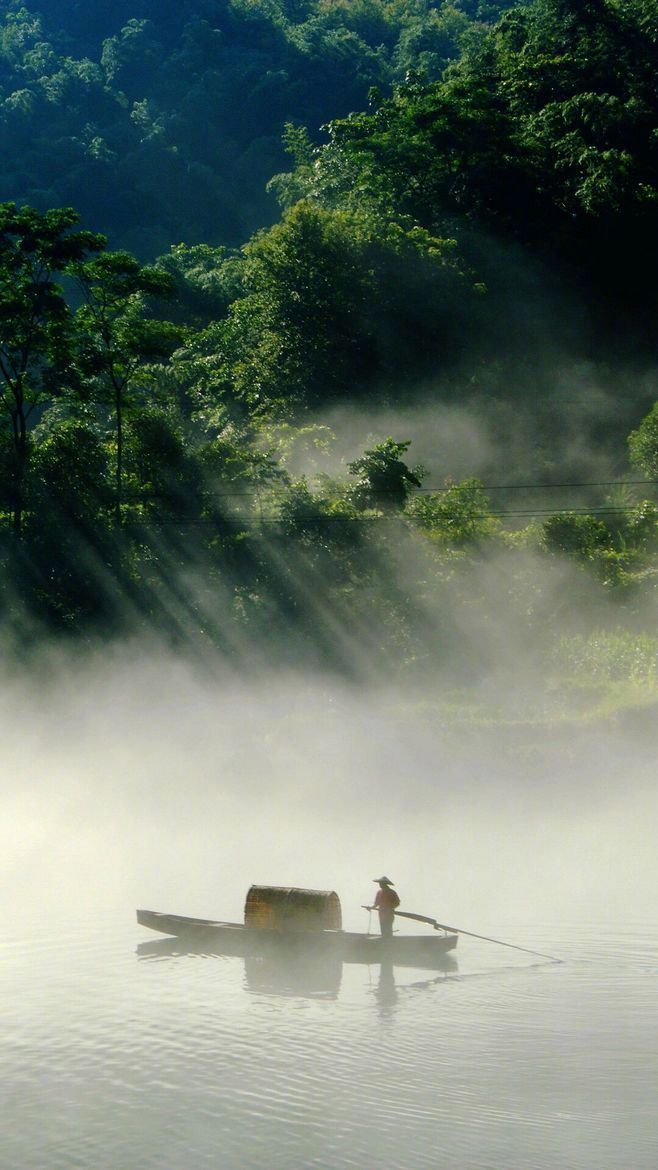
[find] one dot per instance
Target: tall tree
(116, 339)
(643, 444)
(35, 321)
(383, 478)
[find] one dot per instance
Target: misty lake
(123, 1052)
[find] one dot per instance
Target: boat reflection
(311, 976)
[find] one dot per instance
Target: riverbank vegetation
(405, 426)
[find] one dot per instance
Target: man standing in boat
(386, 903)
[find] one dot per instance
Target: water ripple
(115, 1062)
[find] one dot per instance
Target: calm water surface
(142, 785)
(120, 1053)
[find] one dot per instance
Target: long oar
(484, 937)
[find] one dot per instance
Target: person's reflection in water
(386, 992)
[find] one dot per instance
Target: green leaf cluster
(162, 122)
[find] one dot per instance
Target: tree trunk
(118, 406)
(19, 424)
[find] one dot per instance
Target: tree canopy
(206, 419)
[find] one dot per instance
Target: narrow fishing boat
(287, 920)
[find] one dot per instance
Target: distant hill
(162, 122)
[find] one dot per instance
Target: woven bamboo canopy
(290, 908)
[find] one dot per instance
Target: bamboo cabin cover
(290, 908)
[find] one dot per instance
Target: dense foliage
(542, 138)
(163, 121)
(167, 426)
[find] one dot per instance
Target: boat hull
(232, 938)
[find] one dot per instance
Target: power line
(494, 487)
(236, 522)
(518, 487)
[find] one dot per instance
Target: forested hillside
(162, 122)
(206, 435)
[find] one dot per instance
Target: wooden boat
(235, 938)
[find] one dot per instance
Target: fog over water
(135, 779)
(138, 779)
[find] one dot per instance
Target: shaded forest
(161, 122)
(240, 238)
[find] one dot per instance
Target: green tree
(640, 531)
(459, 516)
(300, 334)
(383, 479)
(36, 250)
(580, 537)
(318, 519)
(643, 444)
(117, 341)
(162, 477)
(335, 304)
(70, 573)
(544, 133)
(206, 281)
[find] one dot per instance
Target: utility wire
(519, 487)
(495, 487)
(237, 522)
(246, 523)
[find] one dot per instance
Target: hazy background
(133, 779)
(546, 419)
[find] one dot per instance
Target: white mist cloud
(146, 782)
(548, 419)
(136, 775)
